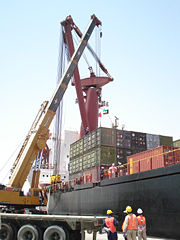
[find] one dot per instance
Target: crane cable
(8, 160)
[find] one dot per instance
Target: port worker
(110, 172)
(130, 225)
(86, 131)
(110, 225)
(102, 173)
(114, 169)
(124, 233)
(141, 225)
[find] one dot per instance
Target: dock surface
(103, 236)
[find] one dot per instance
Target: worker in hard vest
(124, 233)
(113, 170)
(110, 225)
(130, 224)
(141, 225)
(109, 172)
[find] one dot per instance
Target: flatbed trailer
(48, 227)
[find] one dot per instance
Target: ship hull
(157, 192)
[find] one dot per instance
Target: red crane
(89, 89)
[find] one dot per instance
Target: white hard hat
(139, 211)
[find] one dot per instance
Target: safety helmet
(139, 211)
(109, 212)
(128, 209)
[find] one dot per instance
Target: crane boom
(39, 134)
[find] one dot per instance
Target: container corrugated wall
(154, 158)
(152, 141)
(138, 141)
(122, 154)
(176, 143)
(166, 141)
(123, 139)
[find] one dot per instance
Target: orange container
(154, 158)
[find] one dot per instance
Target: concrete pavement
(103, 236)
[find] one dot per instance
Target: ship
(155, 190)
(153, 186)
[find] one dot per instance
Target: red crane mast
(91, 87)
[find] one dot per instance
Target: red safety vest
(141, 220)
(132, 222)
(110, 224)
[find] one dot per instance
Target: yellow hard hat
(109, 212)
(128, 209)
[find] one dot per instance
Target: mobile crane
(12, 195)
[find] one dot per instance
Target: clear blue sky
(140, 47)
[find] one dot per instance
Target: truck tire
(28, 232)
(6, 232)
(54, 232)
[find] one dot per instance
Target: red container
(133, 165)
(151, 159)
(92, 174)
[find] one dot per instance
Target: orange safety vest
(110, 224)
(141, 220)
(109, 172)
(122, 225)
(132, 222)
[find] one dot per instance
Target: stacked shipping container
(176, 143)
(105, 146)
(96, 148)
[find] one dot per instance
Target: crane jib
(61, 88)
(39, 133)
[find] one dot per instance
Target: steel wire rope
(59, 112)
(84, 55)
(8, 160)
(98, 49)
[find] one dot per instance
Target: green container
(166, 141)
(106, 137)
(107, 155)
(176, 143)
(76, 149)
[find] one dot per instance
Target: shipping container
(76, 165)
(106, 137)
(166, 141)
(154, 158)
(93, 173)
(152, 141)
(75, 175)
(176, 143)
(90, 159)
(163, 156)
(107, 155)
(76, 149)
(122, 154)
(99, 137)
(123, 139)
(98, 156)
(138, 141)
